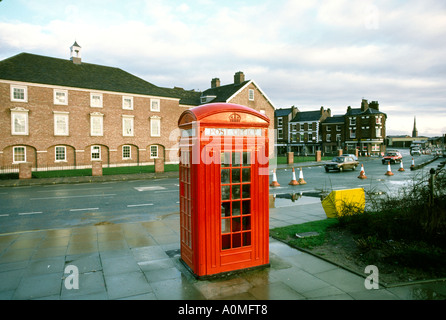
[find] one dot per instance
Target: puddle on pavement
(298, 198)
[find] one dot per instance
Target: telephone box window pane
(235, 175)
(225, 176)
(246, 158)
(246, 207)
(225, 192)
(246, 223)
(225, 159)
(236, 225)
(236, 208)
(236, 240)
(225, 226)
(246, 175)
(247, 238)
(235, 191)
(226, 241)
(226, 209)
(246, 191)
(236, 161)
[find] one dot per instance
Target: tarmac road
(39, 207)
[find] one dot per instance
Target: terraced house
(59, 112)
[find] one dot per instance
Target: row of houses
(305, 132)
(65, 112)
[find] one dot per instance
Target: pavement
(140, 261)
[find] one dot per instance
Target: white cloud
(305, 53)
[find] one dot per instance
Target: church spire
(414, 131)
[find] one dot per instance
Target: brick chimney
(215, 83)
(239, 77)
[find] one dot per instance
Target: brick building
(58, 112)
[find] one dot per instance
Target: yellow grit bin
(334, 203)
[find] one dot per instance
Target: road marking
(83, 209)
(4, 215)
(139, 205)
(140, 189)
(83, 189)
(70, 197)
(28, 213)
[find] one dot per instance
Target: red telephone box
(224, 188)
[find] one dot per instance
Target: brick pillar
(290, 158)
(318, 155)
(159, 165)
(339, 152)
(25, 170)
(96, 168)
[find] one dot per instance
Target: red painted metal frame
(200, 189)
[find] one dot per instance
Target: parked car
(392, 156)
(415, 152)
(350, 155)
(341, 163)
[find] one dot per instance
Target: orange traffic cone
(401, 166)
(293, 181)
(413, 163)
(362, 173)
(389, 170)
(301, 177)
(274, 183)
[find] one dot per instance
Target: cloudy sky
(308, 53)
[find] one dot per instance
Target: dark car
(341, 163)
(392, 157)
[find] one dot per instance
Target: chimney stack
(215, 83)
(239, 77)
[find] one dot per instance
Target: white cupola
(75, 53)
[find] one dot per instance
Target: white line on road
(83, 189)
(83, 209)
(139, 205)
(140, 189)
(4, 215)
(69, 197)
(28, 213)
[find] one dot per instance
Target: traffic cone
(401, 166)
(389, 170)
(301, 177)
(413, 163)
(274, 183)
(293, 181)
(362, 173)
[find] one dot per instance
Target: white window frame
(93, 117)
(128, 121)
(154, 120)
(155, 105)
(378, 132)
(64, 154)
(124, 99)
(328, 137)
(96, 103)
(64, 93)
(353, 133)
(155, 150)
(129, 152)
(279, 122)
(25, 93)
(279, 133)
(19, 112)
(353, 121)
(14, 154)
(58, 116)
(251, 94)
(96, 149)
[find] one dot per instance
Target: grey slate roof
(307, 116)
(223, 93)
(33, 68)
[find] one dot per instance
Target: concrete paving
(140, 261)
